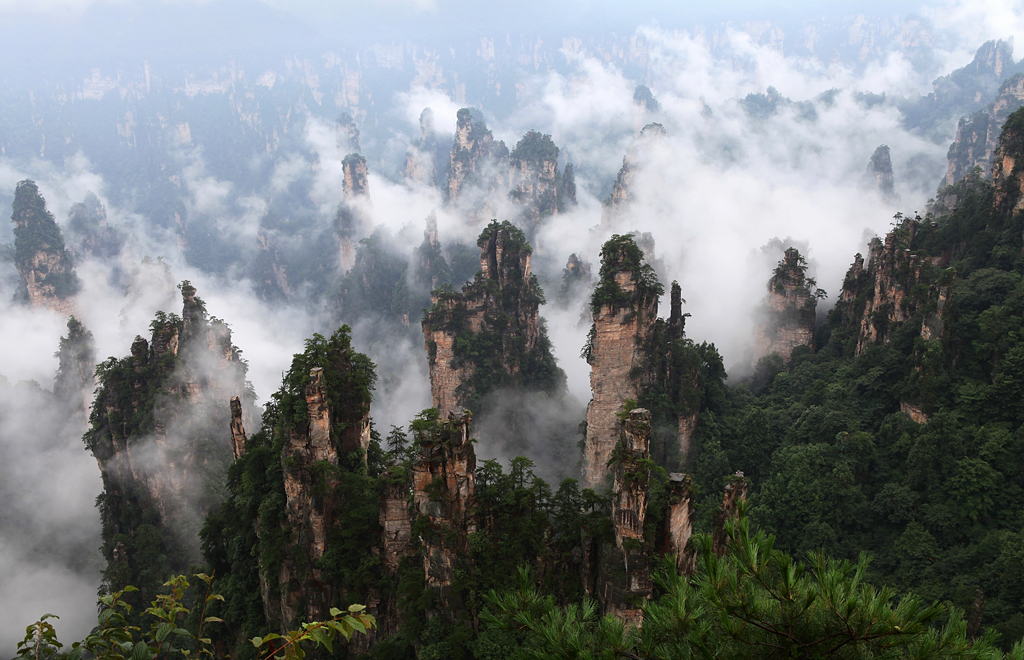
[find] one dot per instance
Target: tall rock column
(536, 184)
(420, 164)
(787, 318)
(443, 481)
(679, 522)
(625, 576)
(351, 222)
(625, 309)
(735, 492)
(45, 270)
(76, 379)
(309, 487)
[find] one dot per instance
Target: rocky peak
(89, 232)
(420, 158)
(536, 184)
(622, 193)
(967, 88)
(45, 269)
(478, 164)
(355, 183)
(488, 335)
(644, 99)
(786, 320)
(75, 379)
(569, 185)
(575, 279)
(878, 174)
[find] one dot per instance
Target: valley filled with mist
(415, 304)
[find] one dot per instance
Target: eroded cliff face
(625, 309)
(238, 437)
(478, 166)
(1008, 166)
(679, 523)
(977, 137)
(443, 479)
(310, 460)
(488, 335)
(787, 316)
(155, 425)
(624, 580)
(621, 567)
(45, 270)
(896, 283)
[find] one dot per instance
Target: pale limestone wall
(616, 351)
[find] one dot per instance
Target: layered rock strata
(787, 317)
(625, 309)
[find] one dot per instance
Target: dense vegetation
(834, 462)
(248, 535)
(149, 433)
